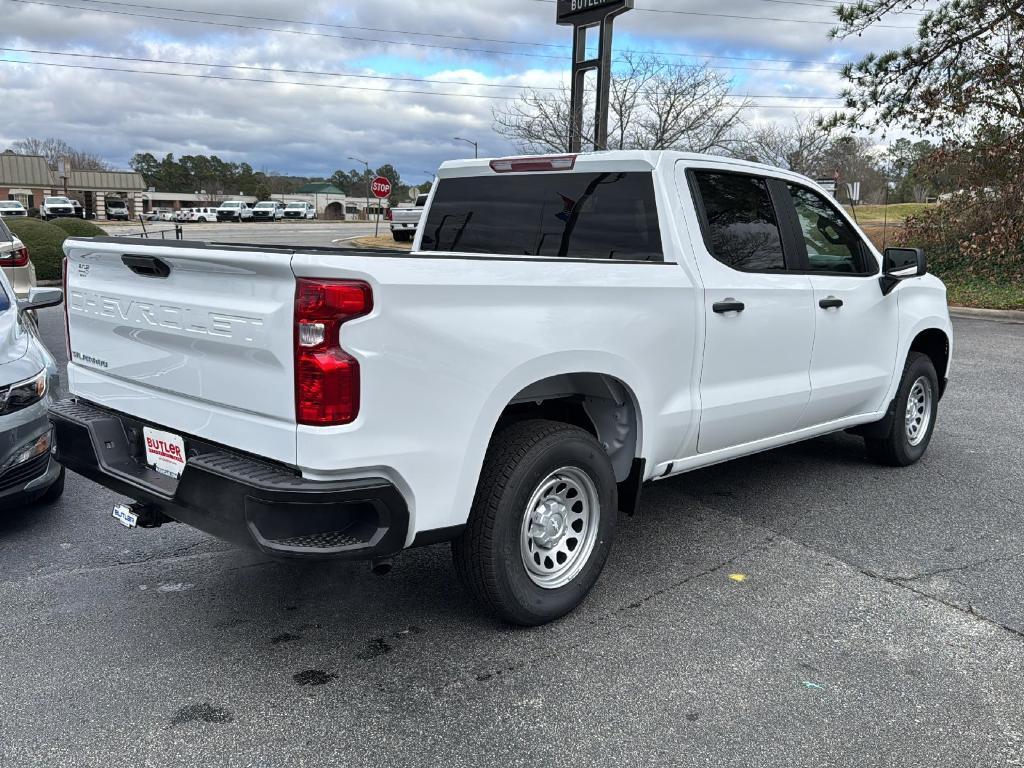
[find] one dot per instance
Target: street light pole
(367, 185)
(476, 147)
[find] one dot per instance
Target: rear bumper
(235, 497)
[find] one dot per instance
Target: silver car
(29, 382)
(15, 262)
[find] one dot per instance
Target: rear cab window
(739, 222)
(605, 216)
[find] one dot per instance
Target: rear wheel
(542, 522)
(913, 422)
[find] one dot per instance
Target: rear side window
(741, 229)
(5, 303)
(571, 215)
(5, 233)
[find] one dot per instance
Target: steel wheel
(559, 527)
(919, 411)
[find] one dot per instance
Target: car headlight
(23, 394)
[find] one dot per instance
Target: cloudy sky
(396, 81)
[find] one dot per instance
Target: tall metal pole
(367, 178)
(583, 16)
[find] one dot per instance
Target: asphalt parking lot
(799, 608)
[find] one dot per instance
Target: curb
(992, 315)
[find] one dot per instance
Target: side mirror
(902, 264)
(41, 298)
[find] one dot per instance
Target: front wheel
(542, 522)
(916, 410)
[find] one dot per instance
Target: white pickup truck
(404, 221)
(565, 330)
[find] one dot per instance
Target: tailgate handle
(147, 266)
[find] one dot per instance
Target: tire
(527, 463)
(55, 491)
(910, 432)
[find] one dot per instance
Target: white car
(202, 215)
(15, 262)
(565, 330)
(300, 211)
(268, 210)
(234, 210)
(56, 207)
(10, 209)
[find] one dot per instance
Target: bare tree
(801, 146)
(654, 105)
(58, 149)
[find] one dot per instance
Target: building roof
(319, 188)
(24, 171)
(113, 181)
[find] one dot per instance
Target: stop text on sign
(381, 187)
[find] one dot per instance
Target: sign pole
(583, 15)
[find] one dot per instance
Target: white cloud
(312, 130)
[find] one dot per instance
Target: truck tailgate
(208, 329)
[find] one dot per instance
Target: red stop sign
(381, 187)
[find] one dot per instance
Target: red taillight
(533, 164)
(326, 377)
(17, 258)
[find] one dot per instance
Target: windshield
(115, 204)
(57, 201)
(296, 205)
(9, 204)
(263, 206)
(231, 205)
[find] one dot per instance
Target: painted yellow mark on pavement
(738, 577)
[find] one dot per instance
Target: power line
(308, 33)
(331, 25)
(206, 76)
(320, 73)
(745, 18)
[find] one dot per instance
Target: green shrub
(79, 228)
(44, 242)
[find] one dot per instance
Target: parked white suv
(268, 210)
(234, 210)
(300, 211)
(565, 330)
(202, 215)
(56, 207)
(15, 262)
(10, 209)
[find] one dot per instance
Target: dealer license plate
(165, 452)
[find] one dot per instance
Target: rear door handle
(830, 303)
(729, 305)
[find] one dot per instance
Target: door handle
(729, 305)
(830, 303)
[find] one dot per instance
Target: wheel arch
(935, 343)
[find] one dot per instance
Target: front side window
(609, 215)
(741, 227)
(832, 244)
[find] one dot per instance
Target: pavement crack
(955, 568)
(968, 610)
